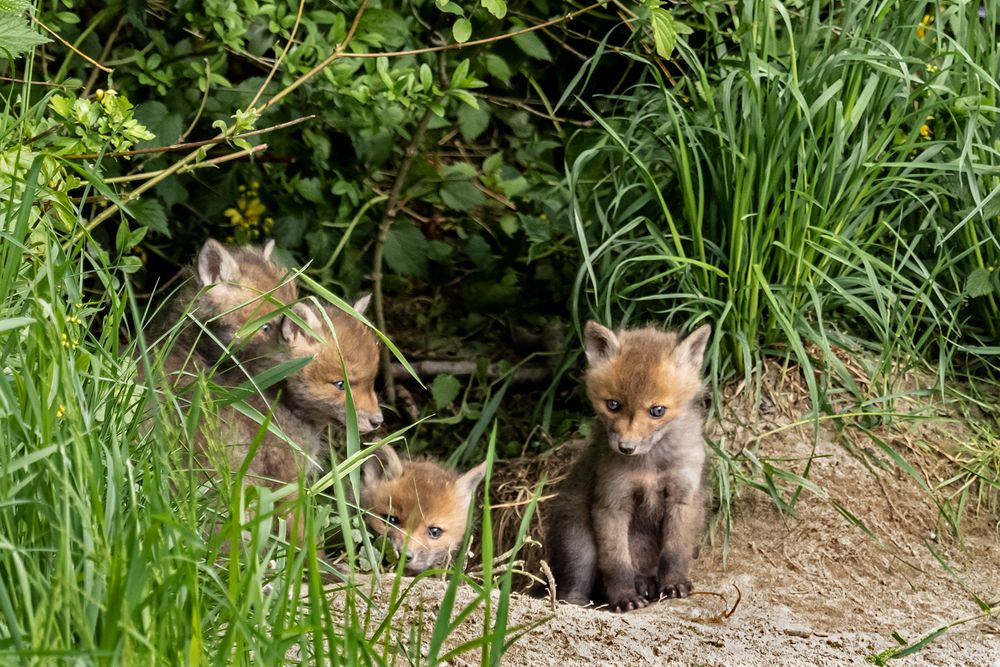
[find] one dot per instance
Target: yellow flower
(925, 132)
(248, 213)
(932, 68)
(922, 26)
(60, 411)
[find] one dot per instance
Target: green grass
(115, 550)
(814, 179)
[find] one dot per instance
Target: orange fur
(318, 392)
(624, 526)
(421, 506)
(235, 295)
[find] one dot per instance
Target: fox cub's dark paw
(628, 603)
(674, 587)
(646, 587)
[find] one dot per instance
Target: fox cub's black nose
(376, 420)
(626, 449)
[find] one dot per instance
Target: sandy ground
(816, 588)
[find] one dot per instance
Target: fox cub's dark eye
(339, 384)
(392, 519)
(435, 532)
(265, 327)
(657, 411)
(613, 405)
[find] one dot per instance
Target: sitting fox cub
(625, 524)
(421, 506)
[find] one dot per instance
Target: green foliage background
(818, 179)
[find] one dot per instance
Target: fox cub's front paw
(673, 586)
(629, 602)
(646, 587)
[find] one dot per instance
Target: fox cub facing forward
(420, 506)
(625, 524)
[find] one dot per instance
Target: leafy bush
(813, 180)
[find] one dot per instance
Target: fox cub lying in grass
(420, 506)
(625, 524)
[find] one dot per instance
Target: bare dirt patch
(818, 588)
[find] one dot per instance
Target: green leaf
(450, 7)
(383, 27)
(473, 122)
(17, 37)
(496, 7)
(405, 249)
(498, 68)
(311, 190)
(532, 45)
(462, 30)
(445, 389)
(150, 214)
(461, 195)
(665, 31)
(978, 284)
(480, 252)
(157, 118)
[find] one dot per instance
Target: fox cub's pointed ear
(384, 464)
(466, 484)
(691, 351)
(600, 343)
(292, 332)
(216, 265)
(268, 249)
(361, 305)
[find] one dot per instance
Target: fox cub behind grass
(236, 296)
(420, 506)
(318, 392)
(625, 524)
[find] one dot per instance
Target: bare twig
(388, 216)
(280, 58)
(34, 83)
(191, 144)
(478, 42)
(71, 47)
(204, 100)
(429, 368)
(246, 152)
(105, 52)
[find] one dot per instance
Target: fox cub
(625, 524)
(236, 297)
(312, 398)
(420, 506)
(317, 393)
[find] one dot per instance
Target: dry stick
(204, 101)
(522, 375)
(190, 144)
(391, 209)
(207, 163)
(485, 40)
(34, 83)
(337, 53)
(72, 48)
(281, 58)
(105, 52)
